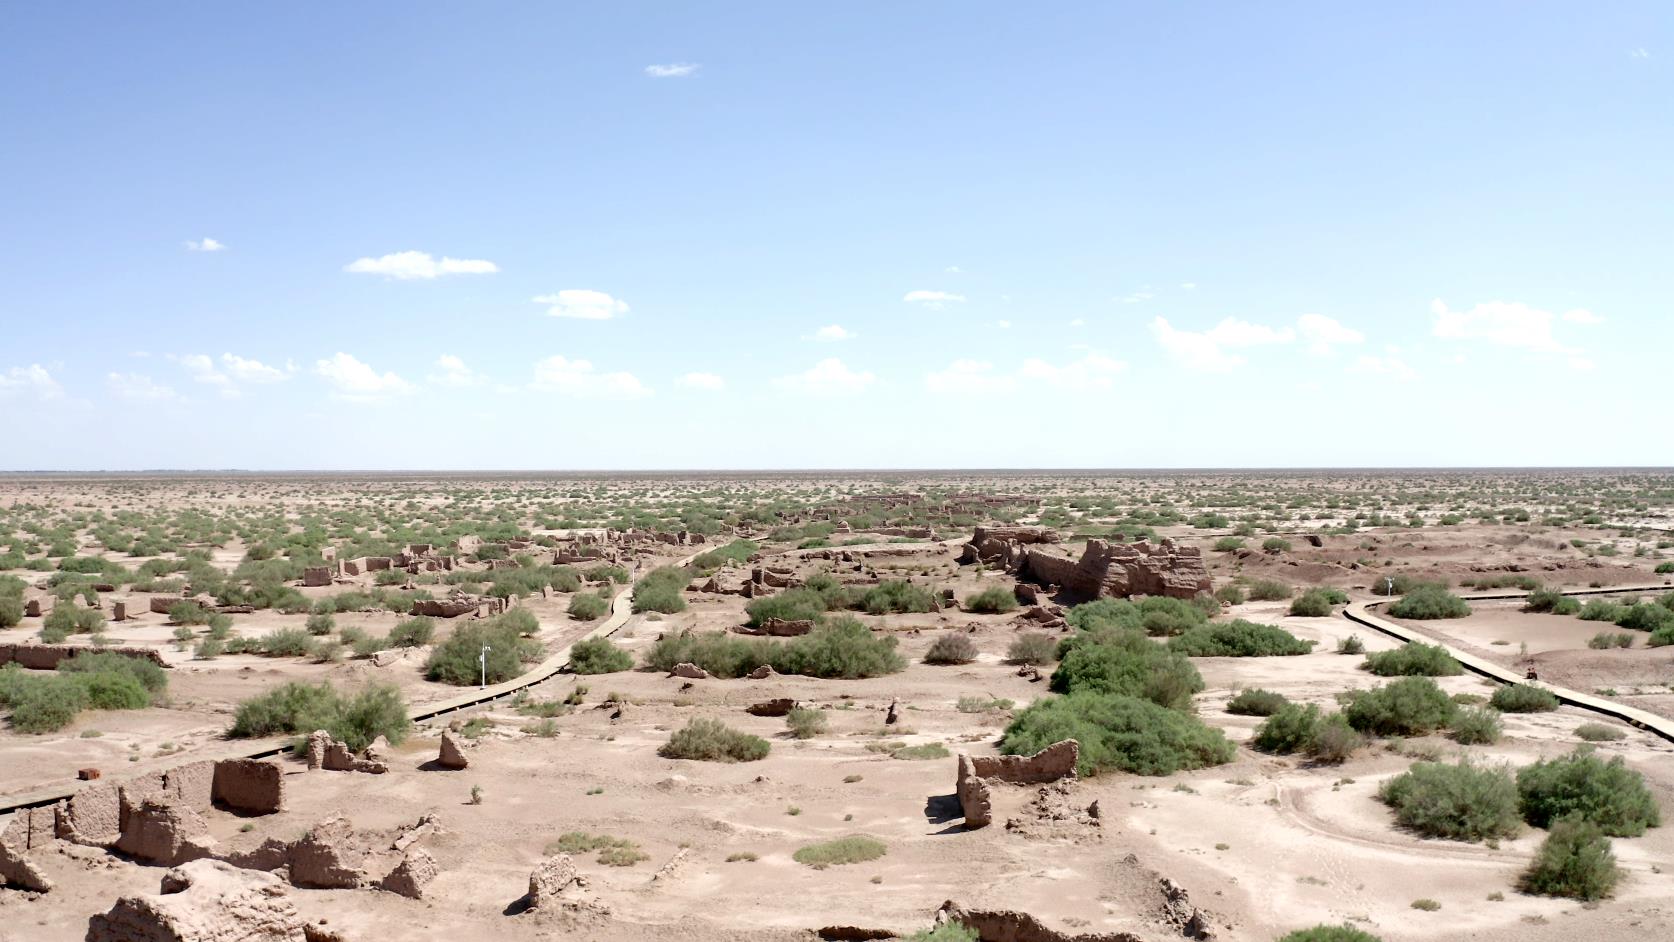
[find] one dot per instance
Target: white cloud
(452, 371)
(1506, 323)
(1391, 366)
(953, 269)
(579, 378)
(410, 266)
(705, 381)
(138, 387)
(673, 70)
(582, 304)
(1207, 351)
(1139, 297)
(1581, 315)
(357, 381)
(829, 377)
(1078, 322)
(1093, 371)
(1322, 333)
(1002, 324)
(1189, 285)
(832, 333)
(934, 300)
(204, 245)
(251, 371)
(202, 368)
(1639, 53)
(33, 380)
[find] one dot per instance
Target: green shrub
(1608, 794)
(954, 648)
(1033, 648)
(1289, 729)
(1664, 569)
(589, 606)
(1117, 732)
(842, 648)
(1598, 732)
(1256, 702)
(1428, 602)
(1351, 645)
(1276, 544)
(1231, 594)
(1462, 802)
(854, 849)
(946, 932)
(48, 704)
(1415, 658)
(1239, 638)
(1128, 664)
(607, 572)
(992, 600)
(1574, 861)
(11, 611)
(1476, 726)
(1605, 640)
(661, 590)
(1601, 610)
(1343, 933)
(897, 595)
(1410, 706)
(300, 708)
(712, 741)
(454, 661)
(1314, 603)
(1155, 615)
(799, 604)
(738, 552)
(805, 723)
(1269, 590)
(1334, 740)
(321, 623)
(412, 632)
(1543, 600)
(1566, 606)
(1645, 616)
(1522, 698)
(286, 642)
(598, 656)
(150, 676)
(66, 619)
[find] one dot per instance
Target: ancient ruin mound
(1104, 569)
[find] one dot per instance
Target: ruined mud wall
(45, 657)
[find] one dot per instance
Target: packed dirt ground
(243, 584)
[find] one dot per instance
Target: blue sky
(777, 235)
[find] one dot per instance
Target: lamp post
(1389, 586)
(482, 662)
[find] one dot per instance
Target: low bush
(1033, 648)
(1231, 594)
(1256, 702)
(799, 604)
(1343, 933)
(805, 723)
(1239, 638)
(1117, 732)
(1316, 602)
(1598, 732)
(454, 661)
(589, 606)
(411, 633)
(1522, 698)
(897, 595)
(11, 611)
(1605, 640)
(150, 676)
(1429, 602)
(955, 648)
(44, 704)
(1276, 544)
(1574, 861)
(992, 600)
(1410, 706)
(1269, 590)
(1287, 730)
(711, 740)
(1415, 658)
(1476, 726)
(320, 623)
(67, 619)
(661, 590)
(1543, 600)
(1334, 740)
(1351, 645)
(598, 656)
(286, 642)
(1462, 802)
(843, 648)
(1128, 664)
(1601, 610)
(1645, 616)
(1228, 544)
(1605, 793)
(301, 708)
(854, 849)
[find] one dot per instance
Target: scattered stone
(333, 755)
(163, 831)
(451, 756)
(551, 880)
(761, 673)
(689, 671)
(326, 857)
(1005, 925)
(779, 707)
(974, 798)
(409, 878)
(204, 901)
(426, 826)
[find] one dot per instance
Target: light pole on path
(482, 662)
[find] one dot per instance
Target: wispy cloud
(832, 333)
(203, 245)
(673, 70)
(829, 377)
(1391, 366)
(1210, 351)
(353, 380)
(419, 266)
(138, 387)
(1506, 324)
(934, 300)
(578, 378)
(1323, 333)
(1639, 52)
(452, 371)
(582, 304)
(1139, 297)
(32, 380)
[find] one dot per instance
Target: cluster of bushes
(1157, 616)
(841, 648)
(589, 606)
(1238, 638)
(598, 656)
(1294, 728)
(529, 579)
(1655, 617)
(713, 741)
(1317, 602)
(1415, 658)
(1117, 732)
(44, 701)
(66, 618)
(1256, 702)
(955, 648)
(736, 553)
(1033, 648)
(1409, 706)
(1550, 601)
(1522, 698)
(1430, 601)
(992, 600)
(455, 661)
(11, 601)
(1126, 663)
(1462, 802)
(1269, 590)
(1607, 794)
(300, 708)
(660, 590)
(1574, 861)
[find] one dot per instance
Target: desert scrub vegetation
(1606, 640)
(1269, 590)
(598, 656)
(1295, 728)
(896, 596)
(409, 633)
(1429, 602)
(1605, 793)
(856, 848)
(954, 648)
(1124, 662)
(710, 740)
(1574, 861)
(67, 619)
(805, 722)
(1256, 702)
(1550, 601)
(1116, 732)
(454, 661)
(736, 553)
(660, 590)
(1033, 648)
(1343, 933)
(299, 708)
(1238, 638)
(1156, 616)
(1522, 698)
(1414, 659)
(1317, 602)
(992, 600)
(1476, 726)
(1409, 706)
(612, 851)
(1598, 732)
(842, 648)
(1461, 802)
(47, 701)
(1229, 544)
(589, 606)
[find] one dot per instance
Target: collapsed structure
(1115, 570)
